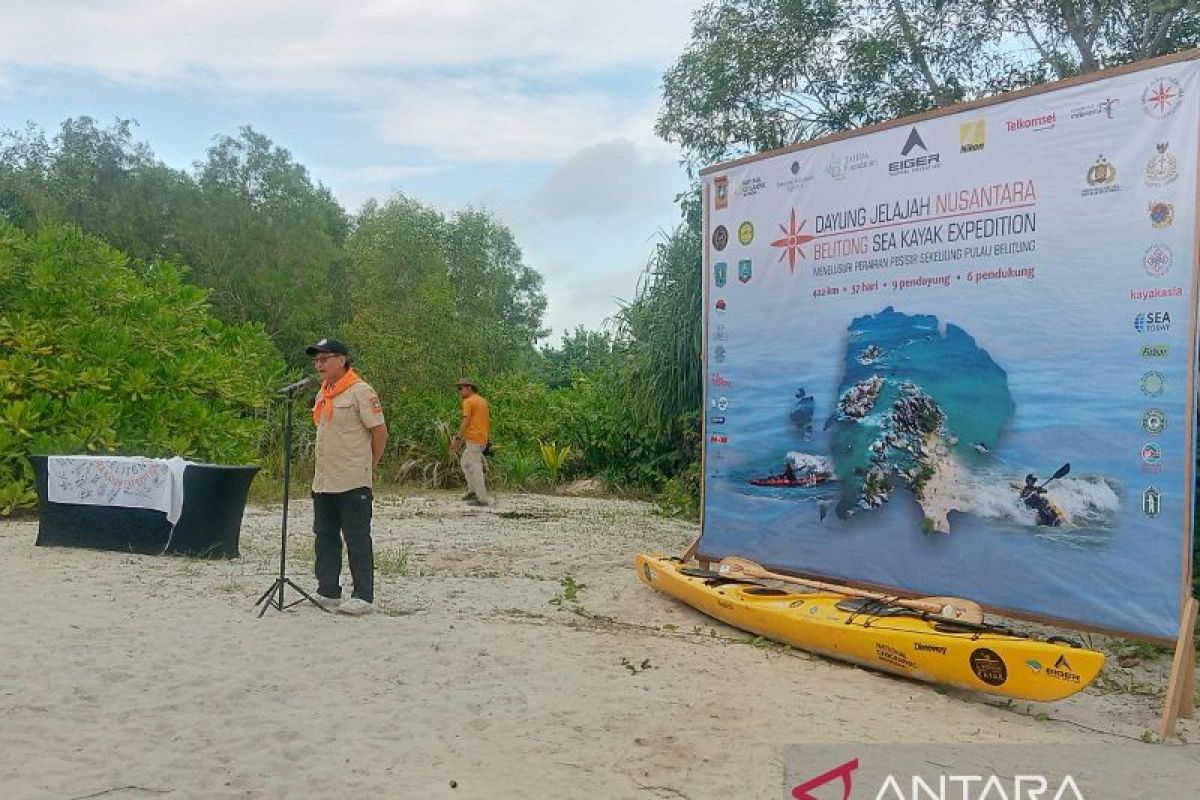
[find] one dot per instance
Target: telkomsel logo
(1041, 122)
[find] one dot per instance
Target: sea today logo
(1152, 322)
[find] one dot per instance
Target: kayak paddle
(950, 608)
(1063, 470)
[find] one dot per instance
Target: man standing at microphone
(351, 436)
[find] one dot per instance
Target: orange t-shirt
(475, 412)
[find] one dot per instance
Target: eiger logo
(914, 140)
(1062, 671)
(1155, 351)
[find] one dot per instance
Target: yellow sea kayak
(983, 658)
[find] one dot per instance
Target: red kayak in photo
(798, 482)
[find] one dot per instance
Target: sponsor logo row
(1161, 98)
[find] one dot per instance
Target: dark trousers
(334, 516)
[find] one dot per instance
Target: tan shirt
(344, 441)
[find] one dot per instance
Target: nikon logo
(1154, 351)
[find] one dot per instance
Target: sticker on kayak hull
(988, 666)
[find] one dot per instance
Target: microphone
(297, 386)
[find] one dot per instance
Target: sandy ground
(514, 655)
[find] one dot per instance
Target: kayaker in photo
(1035, 498)
(789, 472)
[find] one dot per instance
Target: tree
(102, 354)
(494, 290)
(265, 240)
(762, 74)
(581, 352)
(99, 178)
(661, 340)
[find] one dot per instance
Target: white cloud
(509, 84)
(464, 79)
(604, 180)
(174, 39)
(590, 226)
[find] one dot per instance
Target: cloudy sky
(540, 110)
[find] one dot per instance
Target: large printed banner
(956, 356)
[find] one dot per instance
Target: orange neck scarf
(324, 404)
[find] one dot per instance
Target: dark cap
(466, 382)
(327, 346)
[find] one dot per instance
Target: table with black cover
(214, 497)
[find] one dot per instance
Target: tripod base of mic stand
(273, 597)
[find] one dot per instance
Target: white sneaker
(328, 603)
(356, 606)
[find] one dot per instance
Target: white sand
(142, 677)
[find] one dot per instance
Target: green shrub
(99, 354)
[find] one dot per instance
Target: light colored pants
(472, 467)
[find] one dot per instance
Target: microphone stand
(273, 596)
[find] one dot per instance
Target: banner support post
(1180, 700)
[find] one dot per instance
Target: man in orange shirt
(474, 433)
